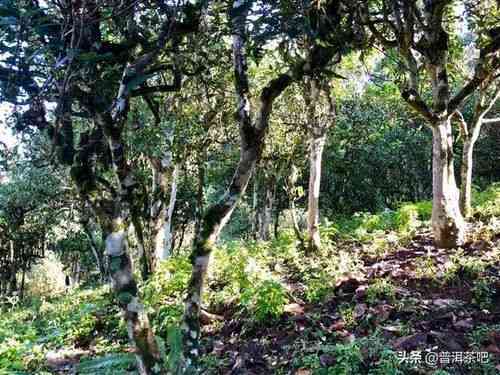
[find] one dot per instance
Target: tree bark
(266, 214)
(200, 193)
(139, 331)
(292, 193)
(277, 213)
(163, 231)
(317, 126)
(466, 178)
(447, 220)
(90, 228)
(315, 156)
(23, 280)
(255, 208)
(142, 247)
(164, 180)
(296, 226)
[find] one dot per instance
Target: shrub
(487, 203)
(243, 273)
(348, 315)
(266, 300)
(284, 246)
(461, 265)
(388, 364)
(425, 267)
(410, 215)
(348, 358)
(380, 289)
(322, 273)
(365, 226)
(164, 291)
(318, 287)
(46, 278)
(28, 332)
(483, 292)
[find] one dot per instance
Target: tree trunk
(466, 178)
(471, 135)
(266, 217)
(13, 283)
(296, 226)
(113, 218)
(13, 270)
(184, 226)
(255, 208)
(200, 193)
(139, 331)
(163, 237)
(90, 228)
(144, 258)
(292, 193)
(23, 280)
(315, 156)
(76, 271)
(164, 179)
(317, 124)
(276, 222)
(447, 220)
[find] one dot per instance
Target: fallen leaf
(347, 284)
(360, 310)
(446, 303)
(464, 324)
(294, 308)
(411, 342)
(392, 329)
(495, 337)
(337, 326)
(382, 312)
(360, 291)
(492, 348)
(446, 340)
(326, 360)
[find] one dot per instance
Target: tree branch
(412, 97)
(491, 120)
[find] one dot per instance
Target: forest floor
(376, 300)
(404, 303)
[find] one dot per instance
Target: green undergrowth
(369, 354)
(254, 283)
(110, 364)
(486, 203)
(256, 278)
(366, 226)
(81, 320)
